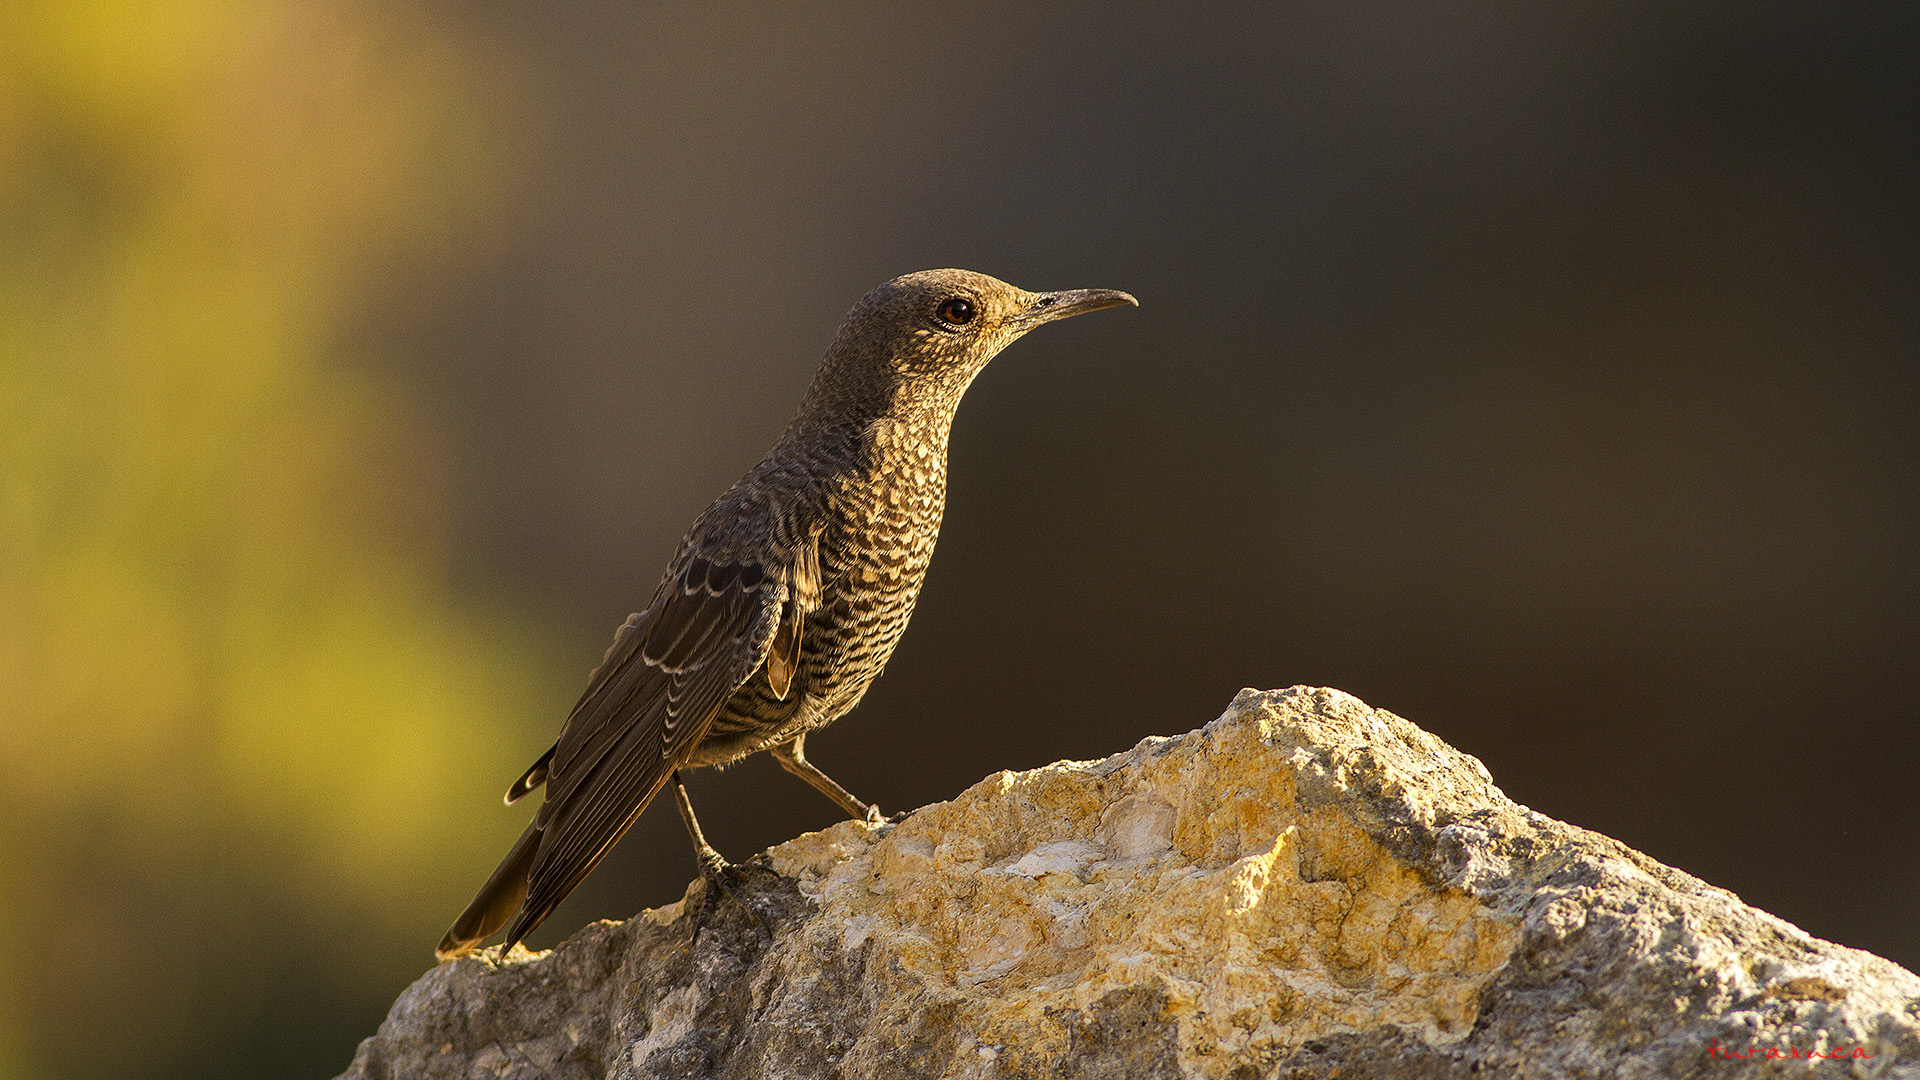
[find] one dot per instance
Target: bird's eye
(956, 312)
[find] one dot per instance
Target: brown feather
(670, 669)
(784, 655)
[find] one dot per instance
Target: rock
(1306, 887)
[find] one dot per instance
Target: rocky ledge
(1305, 887)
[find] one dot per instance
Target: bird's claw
(876, 819)
(714, 866)
(714, 870)
(715, 875)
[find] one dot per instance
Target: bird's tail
(498, 898)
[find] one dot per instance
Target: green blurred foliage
(237, 693)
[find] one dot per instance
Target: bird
(784, 600)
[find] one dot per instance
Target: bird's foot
(717, 877)
(713, 865)
(875, 818)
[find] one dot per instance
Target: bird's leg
(793, 758)
(713, 865)
(711, 861)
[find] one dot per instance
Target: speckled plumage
(788, 594)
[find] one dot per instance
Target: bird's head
(928, 334)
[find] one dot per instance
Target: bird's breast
(874, 555)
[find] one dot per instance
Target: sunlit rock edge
(1305, 886)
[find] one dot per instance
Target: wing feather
(784, 656)
(629, 779)
(658, 690)
(803, 595)
(646, 707)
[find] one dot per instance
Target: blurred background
(1548, 374)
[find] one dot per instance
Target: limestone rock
(1306, 887)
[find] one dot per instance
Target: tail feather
(535, 775)
(498, 898)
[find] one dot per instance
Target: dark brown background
(1543, 373)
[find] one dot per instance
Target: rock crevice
(1304, 887)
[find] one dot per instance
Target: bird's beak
(1059, 305)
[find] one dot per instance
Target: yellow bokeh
(228, 651)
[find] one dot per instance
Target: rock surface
(1306, 887)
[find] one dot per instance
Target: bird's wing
(803, 595)
(646, 707)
